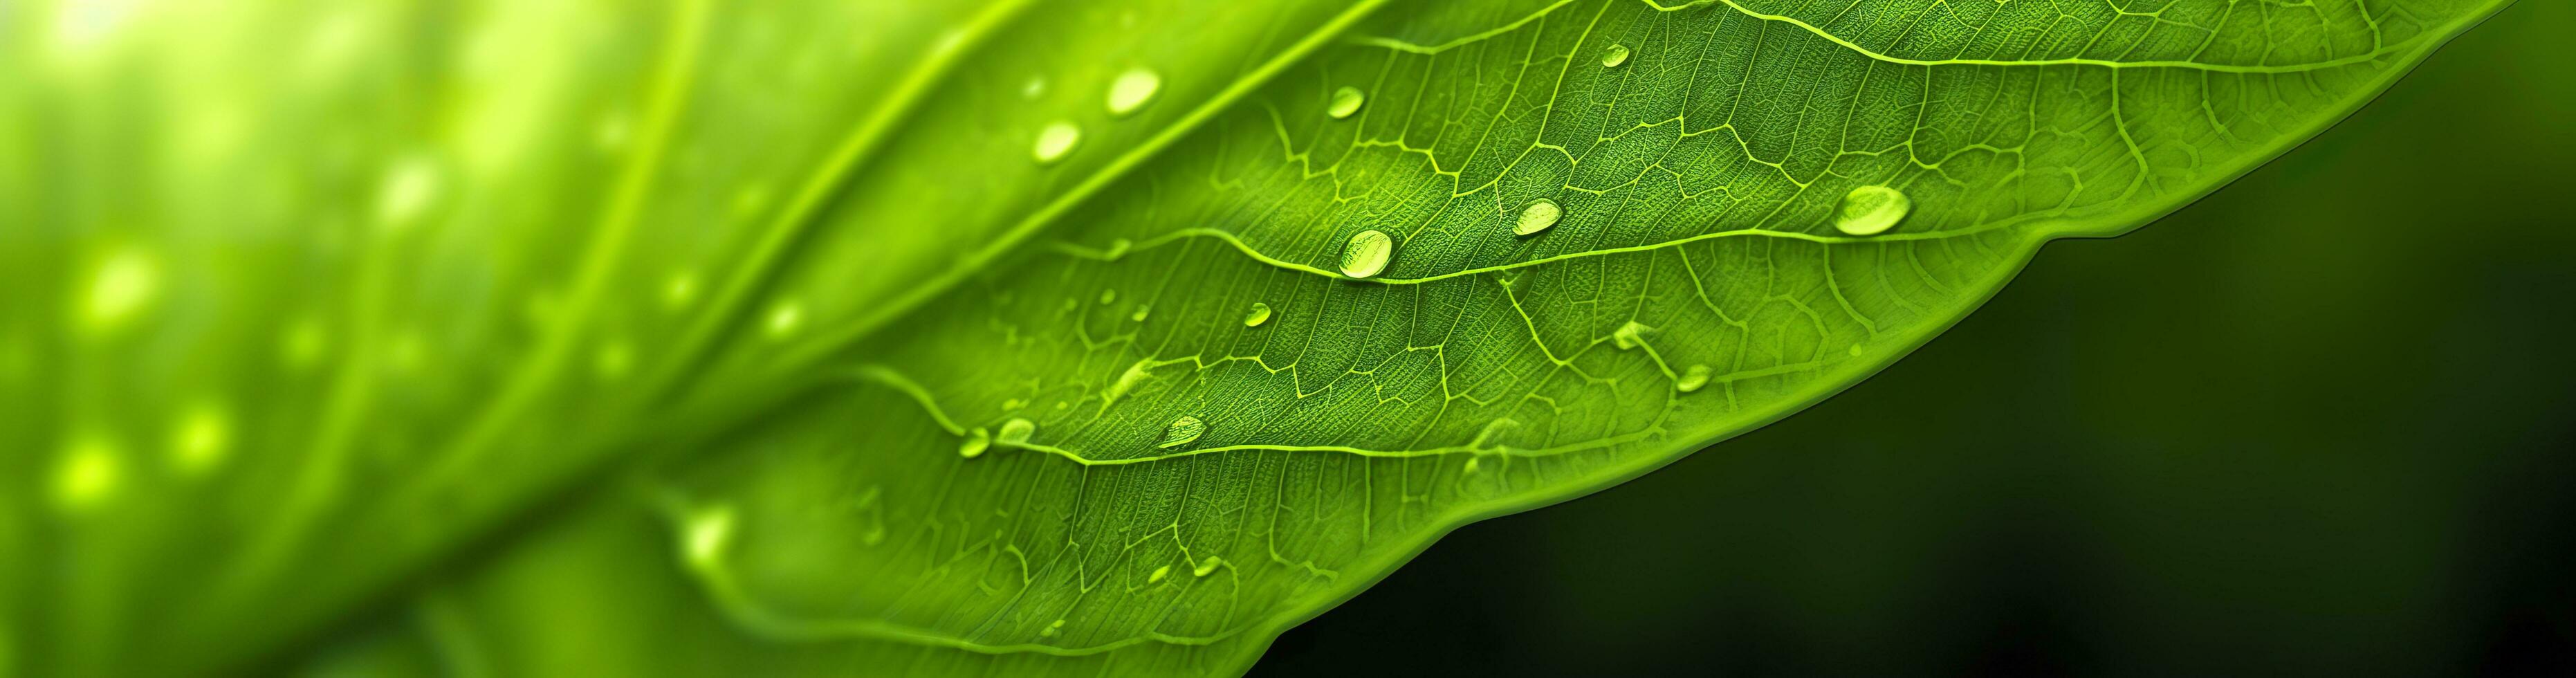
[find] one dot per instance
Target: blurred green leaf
(684, 337)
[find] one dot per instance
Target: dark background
(2316, 424)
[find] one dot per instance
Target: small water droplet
(1182, 431)
(1854, 351)
(1159, 574)
(1016, 431)
(1346, 101)
(1471, 465)
(1108, 297)
(1692, 379)
(88, 473)
(976, 442)
(1133, 89)
(1141, 312)
(1630, 335)
(1367, 253)
(1052, 629)
(785, 318)
(1206, 566)
(707, 531)
(1260, 314)
(1054, 141)
(1614, 55)
(200, 439)
(1871, 210)
(1538, 216)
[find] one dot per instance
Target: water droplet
(706, 532)
(1016, 431)
(1052, 629)
(976, 442)
(1871, 210)
(1692, 379)
(1260, 314)
(1141, 312)
(1132, 90)
(1614, 55)
(1630, 335)
(1471, 465)
(1206, 566)
(785, 318)
(200, 439)
(1367, 253)
(120, 287)
(1346, 101)
(1054, 141)
(1108, 297)
(1854, 350)
(1159, 574)
(1183, 431)
(86, 475)
(1538, 216)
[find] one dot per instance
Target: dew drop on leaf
(1016, 431)
(1614, 55)
(1159, 574)
(976, 442)
(1054, 141)
(1206, 566)
(1346, 101)
(1260, 314)
(1108, 297)
(1182, 431)
(1132, 90)
(1871, 210)
(1630, 335)
(1692, 379)
(1538, 216)
(1367, 253)
(1052, 629)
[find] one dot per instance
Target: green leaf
(861, 338)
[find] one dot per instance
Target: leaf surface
(877, 380)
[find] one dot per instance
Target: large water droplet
(1016, 431)
(1183, 431)
(1871, 210)
(1614, 55)
(1054, 141)
(1630, 335)
(976, 442)
(1260, 314)
(1539, 215)
(1346, 101)
(1367, 253)
(1132, 90)
(1692, 379)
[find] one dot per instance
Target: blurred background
(2319, 423)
